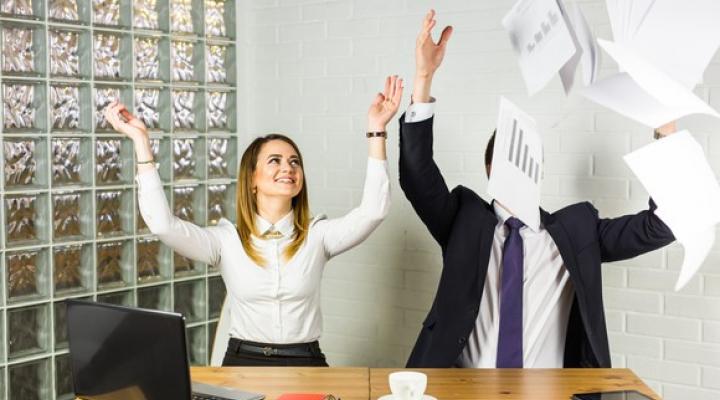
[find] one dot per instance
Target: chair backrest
(222, 336)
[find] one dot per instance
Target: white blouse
(278, 302)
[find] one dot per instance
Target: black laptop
(133, 354)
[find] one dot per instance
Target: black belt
(310, 350)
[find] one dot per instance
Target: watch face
(377, 134)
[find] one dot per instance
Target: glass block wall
(71, 226)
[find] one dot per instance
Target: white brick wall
(311, 68)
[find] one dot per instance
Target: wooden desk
(535, 384)
(346, 383)
(444, 384)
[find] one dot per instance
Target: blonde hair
(247, 202)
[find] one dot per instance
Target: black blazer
(463, 224)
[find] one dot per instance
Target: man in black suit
(509, 296)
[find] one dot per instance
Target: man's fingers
(430, 26)
(445, 36)
(428, 17)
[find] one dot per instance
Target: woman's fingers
(388, 87)
(397, 98)
(379, 98)
(391, 95)
(110, 114)
(113, 113)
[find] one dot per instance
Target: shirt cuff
(375, 164)
(417, 112)
(148, 180)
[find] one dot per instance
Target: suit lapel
(562, 241)
(487, 222)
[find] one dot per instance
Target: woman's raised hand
(386, 104)
(124, 122)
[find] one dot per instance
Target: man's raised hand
(428, 54)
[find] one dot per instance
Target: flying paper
(517, 164)
(662, 48)
(551, 40)
(676, 173)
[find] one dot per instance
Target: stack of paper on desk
(662, 48)
(550, 39)
(676, 173)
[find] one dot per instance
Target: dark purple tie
(510, 337)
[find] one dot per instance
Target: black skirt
(243, 353)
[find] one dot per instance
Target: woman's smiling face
(278, 171)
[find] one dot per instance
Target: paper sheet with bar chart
(550, 39)
(517, 165)
(540, 36)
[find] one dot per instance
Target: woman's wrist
(143, 150)
(375, 127)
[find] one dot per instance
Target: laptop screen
(126, 353)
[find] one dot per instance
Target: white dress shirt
(547, 298)
(547, 293)
(278, 302)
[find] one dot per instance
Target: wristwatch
(657, 135)
(381, 134)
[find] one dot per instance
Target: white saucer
(391, 397)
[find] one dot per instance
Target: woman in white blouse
(273, 259)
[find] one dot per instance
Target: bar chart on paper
(517, 171)
(544, 30)
(541, 37)
(520, 156)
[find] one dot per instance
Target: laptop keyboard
(200, 396)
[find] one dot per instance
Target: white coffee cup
(407, 385)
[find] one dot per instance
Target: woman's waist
(260, 324)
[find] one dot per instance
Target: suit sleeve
(631, 235)
(421, 180)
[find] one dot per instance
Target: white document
(590, 59)
(639, 10)
(676, 173)
(541, 38)
(615, 12)
(622, 94)
(643, 92)
(679, 38)
(517, 165)
(567, 72)
(664, 46)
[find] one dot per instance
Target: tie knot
(514, 223)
